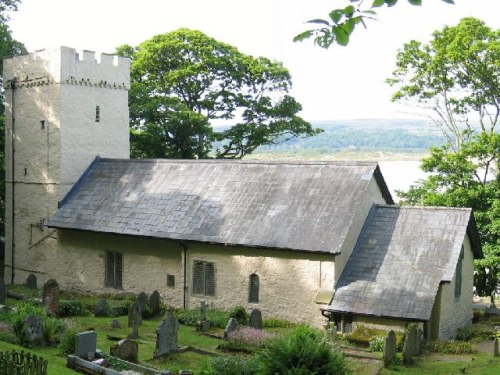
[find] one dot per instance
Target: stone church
(302, 241)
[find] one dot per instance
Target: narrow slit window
(170, 281)
(97, 113)
(42, 124)
(253, 293)
(458, 276)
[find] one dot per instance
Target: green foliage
(67, 343)
(277, 323)
(364, 336)
(72, 307)
(231, 365)
(303, 352)
(240, 314)
(451, 347)
(245, 339)
(475, 333)
(341, 22)
(377, 344)
(184, 80)
(191, 317)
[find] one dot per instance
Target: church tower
(62, 110)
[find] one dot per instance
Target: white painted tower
(62, 109)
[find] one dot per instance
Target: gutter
(12, 86)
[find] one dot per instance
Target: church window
(170, 280)
(203, 278)
(97, 113)
(253, 291)
(458, 276)
(114, 267)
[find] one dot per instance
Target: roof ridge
(425, 207)
(239, 161)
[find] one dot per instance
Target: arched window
(253, 290)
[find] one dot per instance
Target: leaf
(348, 10)
(415, 2)
(449, 2)
(320, 21)
(349, 25)
(378, 3)
(369, 11)
(391, 3)
(302, 36)
(341, 35)
(336, 15)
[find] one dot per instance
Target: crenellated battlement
(66, 65)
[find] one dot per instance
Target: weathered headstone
(134, 314)
(203, 311)
(34, 330)
(115, 323)
(142, 301)
(50, 296)
(85, 344)
(389, 348)
(3, 292)
(410, 345)
(101, 307)
(166, 335)
(31, 281)
(154, 302)
(135, 331)
(255, 319)
(232, 325)
(127, 350)
(495, 347)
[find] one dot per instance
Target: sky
(338, 83)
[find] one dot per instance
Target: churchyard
(142, 330)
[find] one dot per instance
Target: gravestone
(142, 301)
(410, 345)
(115, 323)
(389, 348)
(101, 307)
(166, 335)
(232, 325)
(34, 330)
(85, 344)
(135, 331)
(31, 281)
(134, 315)
(495, 347)
(203, 311)
(3, 292)
(50, 296)
(154, 302)
(127, 350)
(255, 319)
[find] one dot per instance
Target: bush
(377, 344)
(451, 347)
(475, 333)
(245, 339)
(303, 352)
(191, 317)
(67, 344)
(277, 323)
(231, 365)
(240, 314)
(71, 307)
(363, 336)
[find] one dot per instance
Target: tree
(183, 81)
(8, 47)
(456, 75)
(341, 22)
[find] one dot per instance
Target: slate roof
(402, 256)
(304, 206)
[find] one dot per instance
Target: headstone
(101, 307)
(34, 330)
(389, 348)
(3, 292)
(255, 319)
(127, 350)
(203, 311)
(410, 345)
(115, 323)
(154, 302)
(50, 296)
(495, 347)
(134, 315)
(135, 332)
(85, 344)
(31, 281)
(232, 325)
(166, 335)
(142, 301)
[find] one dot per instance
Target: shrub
(245, 339)
(191, 317)
(231, 365)
(363, 336)
(240, 314)
(451, 347)
(303, 352)
(277, 323)
(71, 307)
(475, 333)
(67, 344)
(377, 344)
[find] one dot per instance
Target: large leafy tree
(184, 80)
(341, 22)
(8, 47)
(456, 77)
